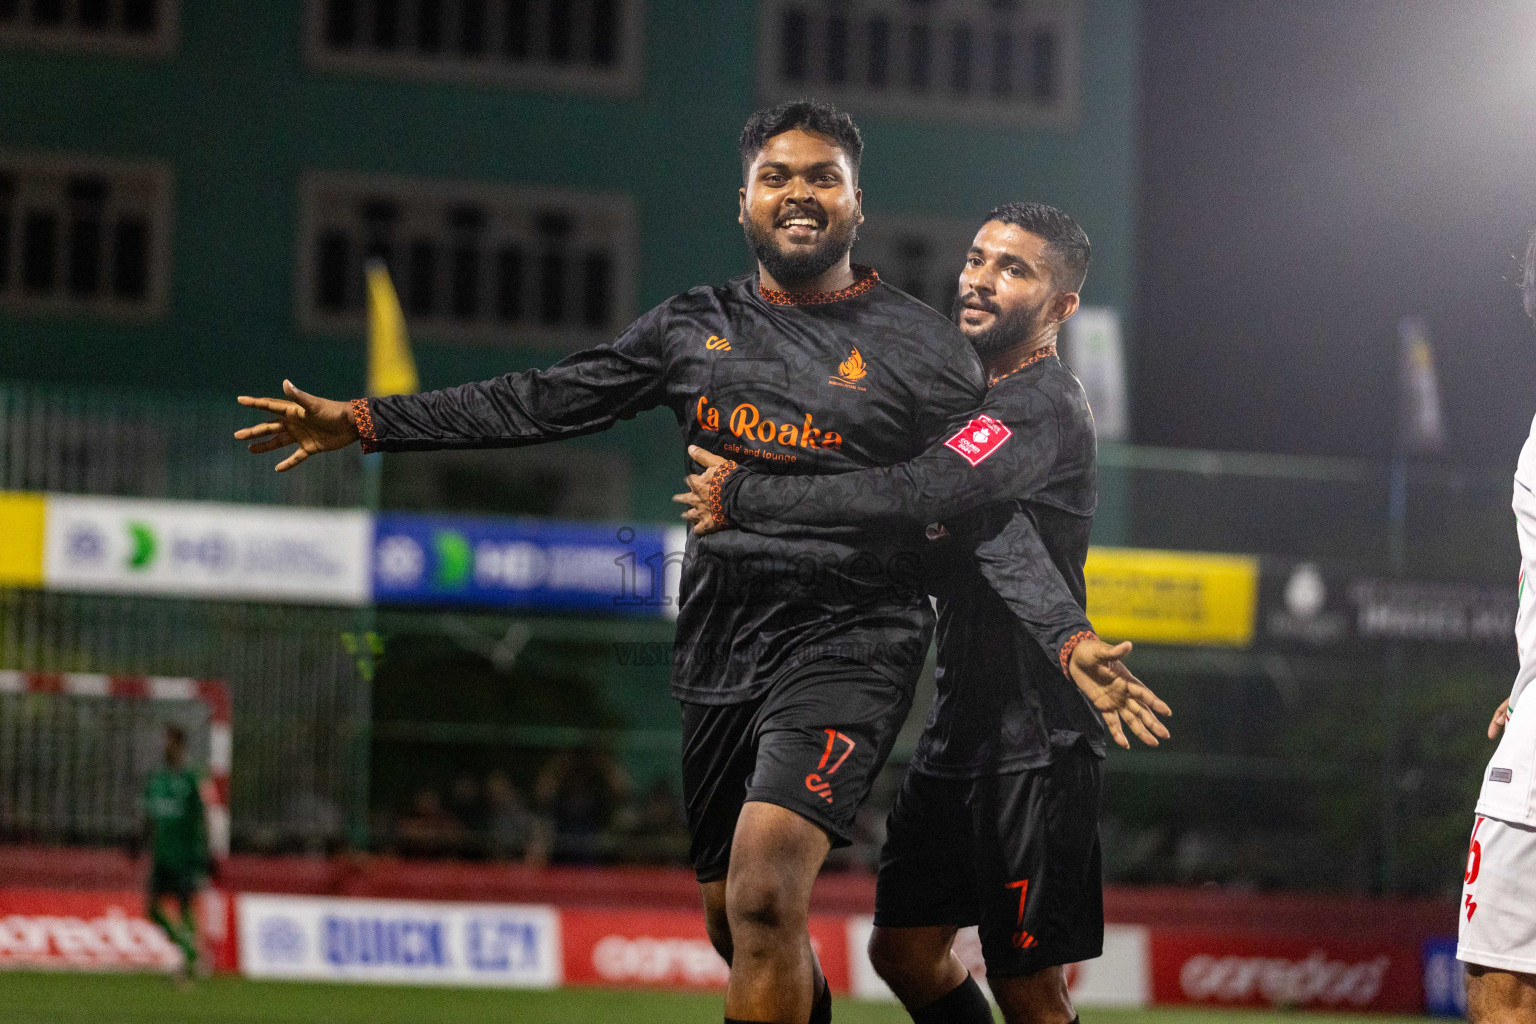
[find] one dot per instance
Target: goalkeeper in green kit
(177, 830)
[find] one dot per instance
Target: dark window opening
(595, 308)
(95, 14)
(879, 68)
(472, 28)
(919, 57)
(39, 251)
(516, 33)
(914, 257)
(562, 30)
(130, 264)
(429, 26)
(605, 32)
(1042, 67)
(553, 229)
(386, 24)
(465, 298)
(341, 23)
(1002, 62)
(86, 199)
(331, 271)
(837, 49)
(960, 59)
(552, 288)
(793, 32)
(140, 16)
(48, 12)
(379, 217)
(421, 292)
(464, 261)
(509, 283)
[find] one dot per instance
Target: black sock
(963, 1005)
(821, 1006)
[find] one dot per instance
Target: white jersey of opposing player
(1509, 786)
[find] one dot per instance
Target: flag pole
(390, 371)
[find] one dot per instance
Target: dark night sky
(1310, 171)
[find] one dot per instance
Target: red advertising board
(669, 949)
(52, 929)
(1237, 969)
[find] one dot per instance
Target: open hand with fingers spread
(314, 424)
(702, 499)
(1099, 671)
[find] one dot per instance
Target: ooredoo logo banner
(92, 931)
(669, 949)
(1230, 969)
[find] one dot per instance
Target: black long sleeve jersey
(797, 385)
(1015, 489)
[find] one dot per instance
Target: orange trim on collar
(1034, 357)
(866, 278)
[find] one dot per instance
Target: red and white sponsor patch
(979, 438)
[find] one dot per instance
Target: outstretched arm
(1017, 565)
(1007, 449)
(582, 394)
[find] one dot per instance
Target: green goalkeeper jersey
(175, 810)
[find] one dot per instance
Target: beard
(801, 265)
(1008, 327)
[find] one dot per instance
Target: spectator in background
(429, 830)
(580, 792)
(511, 828)
(658, 831)
(465, 803)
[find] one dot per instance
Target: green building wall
(239, 116)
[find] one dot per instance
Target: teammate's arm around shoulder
(1006, 449)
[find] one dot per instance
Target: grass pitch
(142, 999)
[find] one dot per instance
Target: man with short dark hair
(797, 648)
(996, 822)
(177, 828)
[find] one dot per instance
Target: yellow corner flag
(391, 371)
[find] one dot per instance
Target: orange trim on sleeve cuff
(1070, 646)
(717, 481)
(362, 420)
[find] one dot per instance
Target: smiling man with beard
(996, 822)
(798, 648)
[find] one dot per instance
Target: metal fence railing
(300, 711)
(152, 445)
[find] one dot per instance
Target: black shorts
(813, 743)
(171, 881)
(1017, 854)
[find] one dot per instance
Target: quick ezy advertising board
(399, 941)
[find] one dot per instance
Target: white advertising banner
(399, 941)
(1118, 978)
(1093, 350)
(195, 549)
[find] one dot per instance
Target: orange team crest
(717, 344)
(850, 370)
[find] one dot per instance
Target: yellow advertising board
(1172, 597)
(21, 538)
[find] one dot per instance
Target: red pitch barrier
(642, 927)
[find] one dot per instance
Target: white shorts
(1498, 899)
